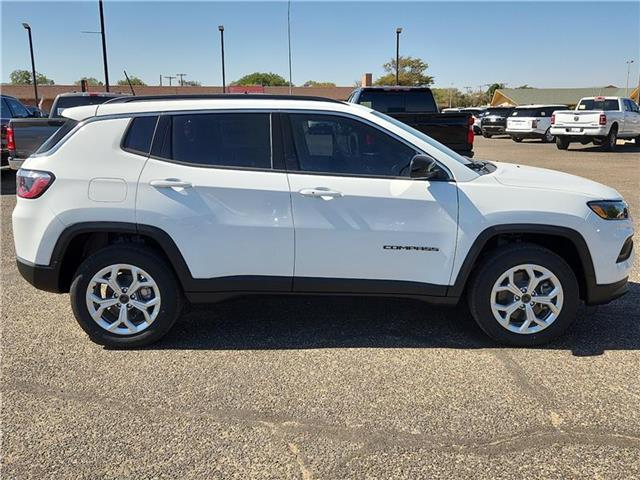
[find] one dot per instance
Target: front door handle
(170, 183)
(320, 192)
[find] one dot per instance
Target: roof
(227, 102)
(563, 96)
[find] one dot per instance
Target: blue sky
(543, 44)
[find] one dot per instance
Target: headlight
(610, 209)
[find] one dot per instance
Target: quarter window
(333, 144)
(140, 134)
(219, 139)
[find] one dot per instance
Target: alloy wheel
(123, 299)
(527, 299)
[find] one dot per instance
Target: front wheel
(125, 296)
(562, 143)
(486, 135)
(523, 295)
(517, 139)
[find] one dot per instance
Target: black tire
(562, 143)
(496, 264)
(170, 294)
(609, 143)
(517, 139)
(547, 137)
(486, 135)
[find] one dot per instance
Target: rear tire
(548, 137)
(131, 316)
(562, 143)
(516, 139)
(610, 141)
(486, 135)
(537, 312)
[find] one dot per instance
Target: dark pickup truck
(10, 107)
(417, 107)
(27, 134)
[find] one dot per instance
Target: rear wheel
(125, 296)
(523, 295)
(548, 137)
(516, 139)
(486, 135)
(562, 143)
(610, 141)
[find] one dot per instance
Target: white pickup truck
(601, 120)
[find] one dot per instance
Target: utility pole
(398, 32)
(160, 79)
(289, 41)
(34, 79)
(181, 77)
(104, 48)
(628, 62)
(221, 29)
(170, 77)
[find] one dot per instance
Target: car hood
(524, 176)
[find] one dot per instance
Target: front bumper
(601, 294)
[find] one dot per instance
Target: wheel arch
(82, 239)
(566, 242)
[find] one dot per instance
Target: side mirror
(423, 166)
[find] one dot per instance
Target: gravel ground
(315, 387)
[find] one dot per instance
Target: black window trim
(163, 123)
(126, 134)
(293, 165)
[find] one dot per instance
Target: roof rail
(219, 96)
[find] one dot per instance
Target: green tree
(23, 77)
(264, 79)
(412, 72)
(134, 81)
(492, 88)
(313, 83)
(91, 81)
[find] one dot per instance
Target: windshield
(603, 104)
(498, 111)
(425, 138)
(399, 101)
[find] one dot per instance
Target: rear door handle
(320, 192)
(170, 183)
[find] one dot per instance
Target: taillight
(11, 141)
(32, 183)
(470, 135)
(534, 123)
(553, 119)
(603, 119)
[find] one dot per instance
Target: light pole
(33, 64)
(224, 84)
(289, 42)
(398, 32)
(104, 48)
(170, 78)
(628, 62)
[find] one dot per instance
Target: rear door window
(140, 134)
(237, 140)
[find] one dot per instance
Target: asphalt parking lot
(273, 387)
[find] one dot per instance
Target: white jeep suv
(140, 203)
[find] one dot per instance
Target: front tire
(487, 135)
(125, 296)
(562, 143)
(523, 295)
(517, 139)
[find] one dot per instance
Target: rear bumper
(43, 277)
(525, 133)
(15, 163)
(601, 294)
(494, 128)
(582, 131)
